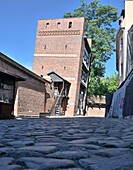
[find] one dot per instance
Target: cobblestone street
(66, 143)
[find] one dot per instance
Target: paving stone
(1, 145)
(112, 144)
(11, 167)
(70, 137)
(24, 153)
(71, 169)
(4, 150)
(20, 143)
(47, 144)
(69, 154)
(78, 141)
(112, 152)
(41, 149)
(44, 139)
(46, 163)
(104, 163)
(6, 161)
(70, 143)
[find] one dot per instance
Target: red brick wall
(51, 53)
(30, 94)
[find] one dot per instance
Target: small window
(58, 24)
(70, 25)
(121, 69)
(121, 43)
(65, 46)
(47, 25)
(44, 46)
(42, 67)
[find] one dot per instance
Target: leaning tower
(63, 53)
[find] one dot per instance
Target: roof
(13, 76)
(21, 68)
(60, 79)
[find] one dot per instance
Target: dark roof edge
(22, 68)
(58, 76)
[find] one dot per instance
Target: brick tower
(63, 53)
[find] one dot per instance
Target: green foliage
(98, 27)
(112, 82)
(102, 85)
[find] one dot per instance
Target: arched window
(47, 25)
(70, 25)
(58, 24)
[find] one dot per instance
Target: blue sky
(18, 25)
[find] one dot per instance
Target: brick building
(62, 52)
(22, 92)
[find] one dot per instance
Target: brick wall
(96, 112)
(59, 49)
(29, 94)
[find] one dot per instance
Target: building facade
(125, 23)
(22, 92)
(63, 54)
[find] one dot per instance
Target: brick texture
(29, 94)
(59, 48)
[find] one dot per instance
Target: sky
(18, 25)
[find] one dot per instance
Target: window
(70, 25)
(121, 43)
(58, 24)
(65, 46)
(47, 25)
(121, 69)
(42, 67)
(6, 90)
(44, 46)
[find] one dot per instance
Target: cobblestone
(66, 144)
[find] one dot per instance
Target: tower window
(65, 46)
(70, 25)
(44, 46)
(42, 67)
(58, 24)
(47, 25)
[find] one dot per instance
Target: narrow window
(121, 43)
(42, 67)
(70, 25)
(65, 46)
(58, 24)
(44, 46)
(121, 69)
(47, 25)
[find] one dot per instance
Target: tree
(98, 27)
(112, 83)
(105, 84)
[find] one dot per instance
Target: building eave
(20, 67)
